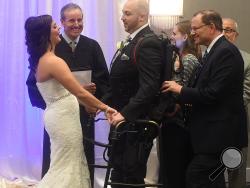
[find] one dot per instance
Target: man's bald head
(135, 14)
(141, 6)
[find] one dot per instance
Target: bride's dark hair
(37, 35)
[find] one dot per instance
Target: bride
(60, 90)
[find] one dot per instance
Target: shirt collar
(132, 35)
(68, 40)
(213, 42)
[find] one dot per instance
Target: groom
(135, 81)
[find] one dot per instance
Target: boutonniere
(120, 45)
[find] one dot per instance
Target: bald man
(135, 81)
(237, 177)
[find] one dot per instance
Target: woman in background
(61, 92)
(189, 52)
(177, 151)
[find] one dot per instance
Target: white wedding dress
(68, 168)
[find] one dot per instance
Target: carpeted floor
(14, 184)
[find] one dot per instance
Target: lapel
(127, 49)
(207, 61)
(217, 43)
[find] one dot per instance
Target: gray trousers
(237, 177)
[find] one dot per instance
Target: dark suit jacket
(134, 85)
(88, 55)
(218, 118)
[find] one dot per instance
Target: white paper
(84, 77)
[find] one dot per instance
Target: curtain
(21, 125)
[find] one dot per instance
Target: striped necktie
(72, 44)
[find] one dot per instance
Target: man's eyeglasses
(194, 29)
(229, 30)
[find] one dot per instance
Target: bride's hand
(109, 112)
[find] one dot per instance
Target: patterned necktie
(72, 44)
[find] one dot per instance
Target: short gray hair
(234, 22)
(69, 6)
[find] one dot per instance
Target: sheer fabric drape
(21, 125)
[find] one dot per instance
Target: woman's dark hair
(37, 35)
(189, 47)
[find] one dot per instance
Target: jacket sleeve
(100, 72)
(218, 78)
(246, 85)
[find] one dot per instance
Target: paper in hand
(84, 77)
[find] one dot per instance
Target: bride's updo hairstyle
(37, 36)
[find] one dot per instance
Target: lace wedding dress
(68, 168)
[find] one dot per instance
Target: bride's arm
(59, 70)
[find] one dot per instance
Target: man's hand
(90, 87)
(171, 86)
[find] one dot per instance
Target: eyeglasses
(229, 30)
(194, 29)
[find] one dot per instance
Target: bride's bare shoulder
(51, 58)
